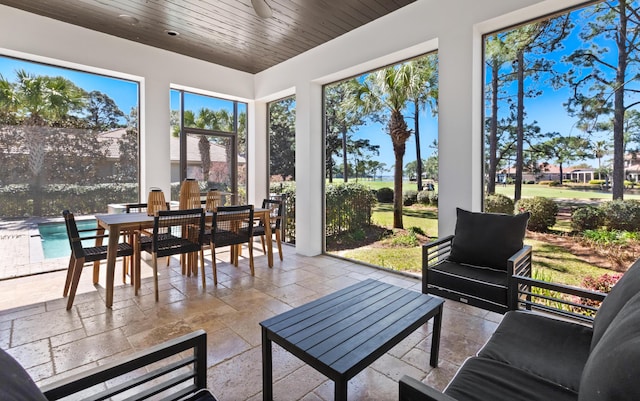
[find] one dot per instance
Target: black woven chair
(81, 255)
(276, 206)
(231, 226)
(175, 232)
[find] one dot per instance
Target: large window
(282, 160)
(562, 131)
(68, 140)
(208, 143)
(381, 164)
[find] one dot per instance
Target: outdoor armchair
(476, 265)
(174, 370)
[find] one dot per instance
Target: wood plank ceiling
(225, 32)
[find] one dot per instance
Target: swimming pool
(54, 240)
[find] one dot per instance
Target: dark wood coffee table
(342, 333)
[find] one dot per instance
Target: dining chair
(276, 207)
(231, 226)
(81, 255)
(175, 232)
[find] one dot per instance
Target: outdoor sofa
(174, 370)
(534, 355)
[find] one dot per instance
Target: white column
(309, 179)
(257, 160)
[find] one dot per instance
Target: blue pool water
(55, 243)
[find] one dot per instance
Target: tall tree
(103, 112)
(604, 82)
(342, 116)
(282, 130)
(600, 149)
(385, 93)
(496, 55)
(423, 92)
(531, 44)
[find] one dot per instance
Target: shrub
(596, 182)
(409, 197)
(498, 203)
(424, 197)
(385, 195)
(554, 183)
(587, 218)
(543, 212)
(621, 215)
(348, 207)
(433, 198)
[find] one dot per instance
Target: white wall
(453, 27)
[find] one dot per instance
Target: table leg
(96, 264)
(340, 390)
(267, 368)
(112, 252)
(435, 337)
(266, 220)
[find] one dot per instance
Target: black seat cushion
(481, 379)
(487, 239)
(15, 382)
(483, 283)
(612, 372)
(627, 287)
(543, 346)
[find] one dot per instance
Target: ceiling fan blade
(262, 9)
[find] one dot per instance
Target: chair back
(73, 234)
(178, 231)
(135, 207)
(232, 225)
(276, 206)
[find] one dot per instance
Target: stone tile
(54, 343)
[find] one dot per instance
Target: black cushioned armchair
(476, 265)
(174, 370)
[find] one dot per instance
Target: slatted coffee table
(342, 333)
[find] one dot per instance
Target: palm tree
(600, 149)
(386, 91)
(423, 91)
(39, 102)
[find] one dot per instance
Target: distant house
(218, 172)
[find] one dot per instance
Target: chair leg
(96, 272)
(204, 280)
(67, 282)
(264, 250)
(155, 275)
(278, 240)
(251, 260)
(213, 264)
(77, 269)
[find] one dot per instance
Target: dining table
(122, 223)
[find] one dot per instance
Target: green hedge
(18, 200)
(287, 190)
(349, 207)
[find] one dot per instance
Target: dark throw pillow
(15, 382)
(487, 239)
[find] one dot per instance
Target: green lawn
(553, 262)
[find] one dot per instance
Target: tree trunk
(493, 132)
(418, 155)
(618, 102)
(345, 166)
(519, 128)
(399, 135)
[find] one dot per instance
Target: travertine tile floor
(52, 343)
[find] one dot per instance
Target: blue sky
(123, 92)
